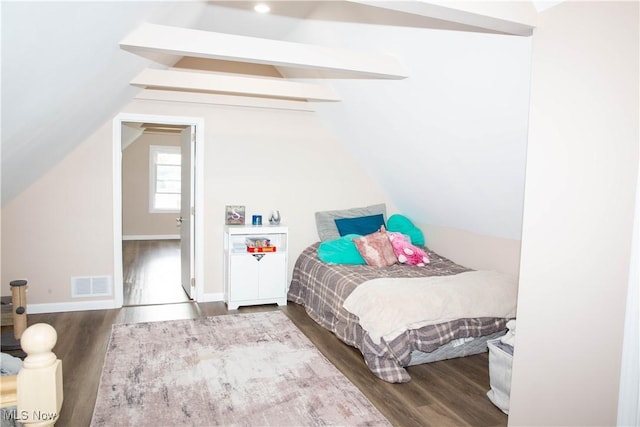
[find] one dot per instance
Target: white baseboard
(58, 307)
(151, 237)
(212, 297)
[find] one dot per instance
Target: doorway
(156, 214)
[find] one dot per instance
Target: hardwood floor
(447, 393)
(151, 272)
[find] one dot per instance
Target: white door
(273, 276)
(244, 274)
(187, 143)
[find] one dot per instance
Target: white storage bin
(500, 363)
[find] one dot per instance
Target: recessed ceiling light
(261, 8)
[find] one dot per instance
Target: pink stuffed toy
(406, 252)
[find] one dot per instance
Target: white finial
(37, 341)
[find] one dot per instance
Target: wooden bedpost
(40, 379)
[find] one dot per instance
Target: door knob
(179, 221)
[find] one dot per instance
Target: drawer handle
(258, 256)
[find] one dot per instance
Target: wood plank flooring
(151, 272)
(447, 393)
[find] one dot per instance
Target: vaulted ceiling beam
(508, 17)
(152, 38)
(233, 84)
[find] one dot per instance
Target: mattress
(322, 288)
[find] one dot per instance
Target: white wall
(51, 101)
(582, 166)
(269, 159)
(263, 158)
(472, 250)
(449, 142)
(61, 226)
(136, 219)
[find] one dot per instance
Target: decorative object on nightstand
(234, 215)
(274, 219)
(255, 265)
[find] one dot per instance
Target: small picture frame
(234, 215)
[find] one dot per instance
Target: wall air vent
(90, 286)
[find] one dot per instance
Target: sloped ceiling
(64, 74)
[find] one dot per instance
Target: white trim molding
(59, 307)
(212, 297)
(151, 237)
(198, 122)
(629, 398)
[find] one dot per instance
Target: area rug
(255, 369)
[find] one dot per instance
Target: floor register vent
(90, 286)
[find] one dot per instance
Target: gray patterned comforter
(322, 288)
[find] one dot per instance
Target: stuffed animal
(406, 252)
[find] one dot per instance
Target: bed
(323, 288)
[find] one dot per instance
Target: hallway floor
(151, 272)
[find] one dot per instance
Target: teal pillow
(362, 225)
(341, 251)
(402, 224)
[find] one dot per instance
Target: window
(164, 178)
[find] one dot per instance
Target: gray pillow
(325, 220)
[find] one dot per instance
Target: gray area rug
(254, 369)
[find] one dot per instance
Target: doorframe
(198, 197)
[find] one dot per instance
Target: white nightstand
(255, 278)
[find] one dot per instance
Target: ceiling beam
(508, 17)
(152, 38)
(233, 84)
(225, 99)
